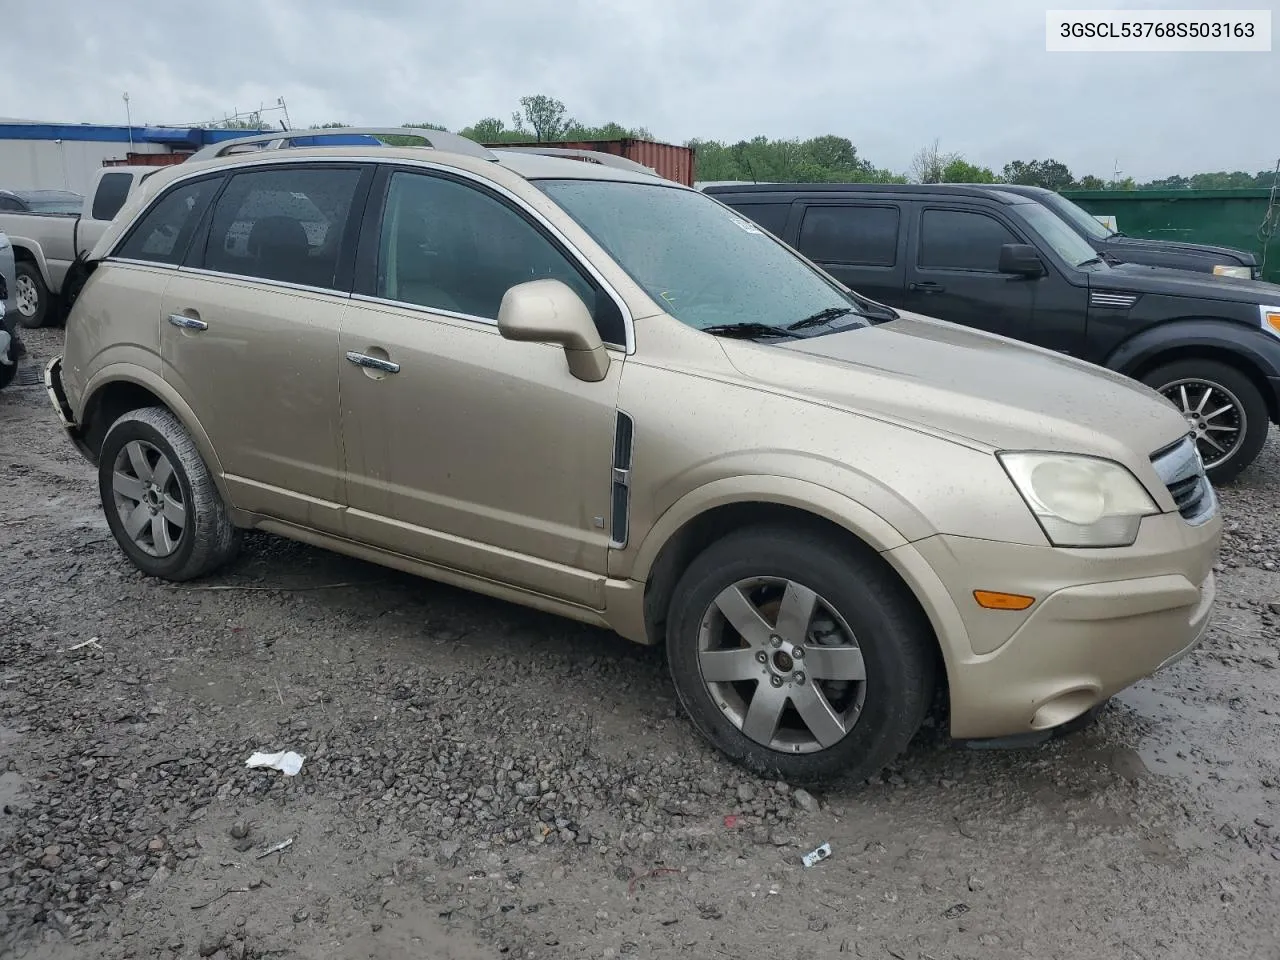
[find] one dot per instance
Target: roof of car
(986, 191)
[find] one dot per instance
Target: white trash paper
(286, 761)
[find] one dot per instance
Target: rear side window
(10, 204)
(113, 190)
(962, 240)
(771, 216)
(282, 224)
(863, 235)
(165, 230)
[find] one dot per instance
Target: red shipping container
(669, 160)
(147, 160)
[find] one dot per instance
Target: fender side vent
(620, 499)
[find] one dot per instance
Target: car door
(954, 274)
(863, 244)
(464, 449)
(249, 332)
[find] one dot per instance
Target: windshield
(707, 265)
(1066, 243)
(1077, 215)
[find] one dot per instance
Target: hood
(1224, 255)
(951, 380)
(1166, 281)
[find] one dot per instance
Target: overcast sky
(891, 76)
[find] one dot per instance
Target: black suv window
(864, 235)
(163, 232)
(962, 240)
(450, 246)
(771, 216)
(113, 190)
(282, 224)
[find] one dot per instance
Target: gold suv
(583, 388)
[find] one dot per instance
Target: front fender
(811, 497)
(1251, 345)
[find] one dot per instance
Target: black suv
(989, 258)
(1201, 257)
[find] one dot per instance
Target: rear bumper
(1102, 620)
(58, 398)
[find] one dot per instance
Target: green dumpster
(1227, 218)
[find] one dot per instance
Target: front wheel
(161, 503)
(1223, 408)
(799, 657)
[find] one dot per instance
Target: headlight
(1080, 501)
(1222, 270)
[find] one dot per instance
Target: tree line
(825, 159)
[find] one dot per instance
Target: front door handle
(926, 286)
(374, 363)
(187, 323)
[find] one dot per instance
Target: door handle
(926, 286)
(374, 363)
(187, 323)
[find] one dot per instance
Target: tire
(1214, 386)
(7, 373)
(205, 539)
(32, 295)
(855, 594)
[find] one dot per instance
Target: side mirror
(1022, 259)
(548, 311)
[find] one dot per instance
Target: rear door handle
(187, 323)
(374, 363)
(926, 286)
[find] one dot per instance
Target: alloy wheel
(782, 665)
(1215, 414)
(148, 498)
(27, 296)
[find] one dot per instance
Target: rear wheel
(32, 295)
(1223, 408)
(799, 657)
(160, 500)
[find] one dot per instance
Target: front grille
(1182, 472)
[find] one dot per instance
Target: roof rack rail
(590, 156)
(281, 139)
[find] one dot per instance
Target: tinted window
(9, 203)
(962, 240)
(850, 234)
(771, 216)
(284, 225)
(113, 190)
(165, 230)
(447, 245)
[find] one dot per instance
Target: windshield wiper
(1090, 261)
(746, 331)
(821, 317)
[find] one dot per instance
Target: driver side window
(451, 247)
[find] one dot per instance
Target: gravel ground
(482, 781)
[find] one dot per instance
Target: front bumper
(58, 398)
(1102, 620)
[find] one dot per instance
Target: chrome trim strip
(438, 312)
(265, 281)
